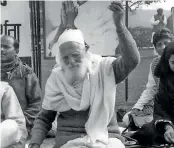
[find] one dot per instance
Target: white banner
(94, 20)
(15, 21)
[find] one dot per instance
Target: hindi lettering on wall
(15, 21)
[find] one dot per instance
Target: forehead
(70, 47)
(7, 40)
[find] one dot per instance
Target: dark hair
(172, 9)
(160, 9)
(16, 42)
(162, 33)
(163, 68)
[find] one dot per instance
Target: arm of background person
(42, 125)
(149, 93)
(161, 117)
(34, 98)
(130, 56)
(153, 22)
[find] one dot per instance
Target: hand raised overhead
(69, 13)
(118, 11)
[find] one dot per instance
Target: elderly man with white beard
(82, 88)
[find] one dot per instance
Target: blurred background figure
(158, 22)
(170, 21)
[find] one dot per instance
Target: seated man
(142, 111)
(161, 129)
(21, 78)
(13, 125)
(82, 88)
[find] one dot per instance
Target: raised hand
(118, 12)
(69, 13)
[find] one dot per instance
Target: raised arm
(130, 56)
(68, 14)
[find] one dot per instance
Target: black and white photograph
(87, 74)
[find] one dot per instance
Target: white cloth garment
(99, 91)
(12, 124)
(148, 93)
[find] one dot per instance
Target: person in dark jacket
(161, 129)
(21, 78)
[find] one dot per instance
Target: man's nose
(71, 60)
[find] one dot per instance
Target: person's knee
(126, 119)
(9, 131)
(11, 126)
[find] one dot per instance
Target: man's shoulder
(4, 87)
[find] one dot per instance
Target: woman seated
(82, 89)
(161, 129)
(142, 111)
(13, 125)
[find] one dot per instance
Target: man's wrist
(70, 26)
(119, 24)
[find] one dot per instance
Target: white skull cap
(71, 35)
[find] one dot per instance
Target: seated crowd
(76, 92)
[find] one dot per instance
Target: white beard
(76, 74)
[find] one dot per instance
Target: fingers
(63, 14)
(70, 7)
(119, 3)
(115, 8)
(169, 137)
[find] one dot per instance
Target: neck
(8, 65)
